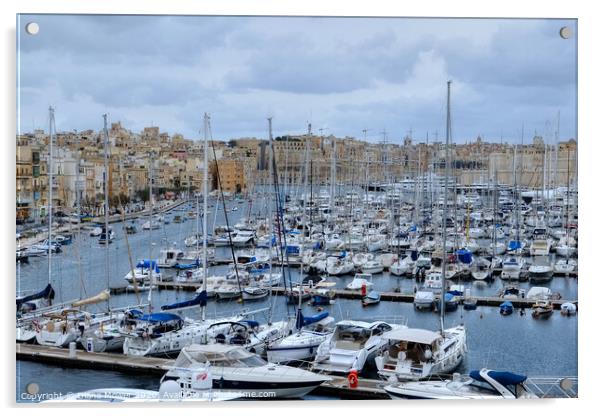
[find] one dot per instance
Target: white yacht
(373, 267)
(484, 384)
(339, 267)
(511, 268)
(414, 354)
(540, 273)
(170, 257)
(351, 346)
(165, 334)
(235, 369)
(303, 344)
(402, 267)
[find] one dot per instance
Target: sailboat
(413, 353)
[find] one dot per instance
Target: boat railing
(553, 387)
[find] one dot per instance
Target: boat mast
(333, 173)
(106, 190)
(50, 180)
(205, 195)
(150, 232)
(447, 156)
(305, 179)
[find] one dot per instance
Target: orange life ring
(352, 379)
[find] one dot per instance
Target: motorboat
(542, 309)
(565, 266)
(568, 308)
(170, 257)
(351, 346)
(506, 308)
(541, 244)
(511, 268)
(540, 273)
(402, 267)
(360, 280)
(512, 292)
(233, 368)
(483, 384)
(303, 344)
(340, 267)
(371, 298)
(414, 353)
(539, 293)
(433, 280)
(372, 267)
(451, 302)
(424, 299)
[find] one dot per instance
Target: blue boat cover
(505, 378)
(308, 320)
(414, 255)
(186, 266)
(47, 293)
(373, 294)
(292, 249)
(200, 300)
(464, 255)
(147, 263)
(514, 245)
(251, 323)
(506, 304)
(159, 317)
(449, 297)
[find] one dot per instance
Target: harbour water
(516, 343)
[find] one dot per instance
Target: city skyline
(343, 75)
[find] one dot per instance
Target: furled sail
(101, 297)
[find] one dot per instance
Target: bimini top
(503, 377)
(159, 317)
(420, 336)
(360, 324)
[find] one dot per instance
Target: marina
(269, 260)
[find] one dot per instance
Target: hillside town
(243, 163)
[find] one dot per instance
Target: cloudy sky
(341, 74)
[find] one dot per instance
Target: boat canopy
(464, 255)
(506, 304)
(308, 320)
(47, 293)
(186, 266)
(417, 335)
(514, 245)
(160, 317)
(538, 292)
(200, 299)
(147, 264)
(505, 378)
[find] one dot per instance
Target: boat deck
(543, 387)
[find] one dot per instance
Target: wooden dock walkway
(492, 301)
(337, 387)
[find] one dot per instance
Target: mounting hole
(565, 32)
(32, 28)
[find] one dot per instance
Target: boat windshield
(233, 358)
(351, 337)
